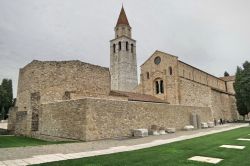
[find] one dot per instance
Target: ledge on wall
(137, 97)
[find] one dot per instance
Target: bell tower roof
(122, 20)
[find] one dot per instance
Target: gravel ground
(26, 152)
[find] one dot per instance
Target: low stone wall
(63, 119)
(93, 119)
(109, 118)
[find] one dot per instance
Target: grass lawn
(176, 154)
(19, 141)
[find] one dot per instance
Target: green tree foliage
(242, 89)
(6, 97)
(226, 74)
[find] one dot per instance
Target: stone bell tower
(123, 63)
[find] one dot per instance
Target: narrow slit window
(132, 48)
(120, 46)
(170, 71)
(126, 46)
(113, 48)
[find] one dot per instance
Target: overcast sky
(213, 35)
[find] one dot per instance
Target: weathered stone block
(198, 121)
(204, 125)
(170, 130)
(188, 128)
(210, 124)
(162, 132)
(140, 132)
(194, 120)
(155, 133)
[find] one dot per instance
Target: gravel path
(29, 152)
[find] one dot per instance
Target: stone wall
(12, 119)
(189, 72)
(21, 123)
(61, 80)
(223, 106)
(230, 87)
(93, 119)
(194, 94)
(63, 119)
(109, 119)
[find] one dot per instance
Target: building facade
(77, 100)
(166, 77)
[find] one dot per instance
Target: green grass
(19, 141)
(176, 154)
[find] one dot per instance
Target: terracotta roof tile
(122, 20)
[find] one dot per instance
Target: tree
(226, 74)
(3, 114)
(242, 89)
(6, 95)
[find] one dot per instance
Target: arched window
(113, 48)
(159, 86)
(170, 70)
(120, 46)
(132, 48)
(126, 46)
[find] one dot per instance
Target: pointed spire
(122, 18)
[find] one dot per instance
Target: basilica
(82, 101)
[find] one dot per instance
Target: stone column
(194, 120)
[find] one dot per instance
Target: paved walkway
(48, 153)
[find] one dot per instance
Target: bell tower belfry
(123, 63)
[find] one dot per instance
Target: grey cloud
(209, 34)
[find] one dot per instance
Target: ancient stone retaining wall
(93, 119)
(64, 119)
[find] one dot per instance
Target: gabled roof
(157, 51)
(122, 20)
